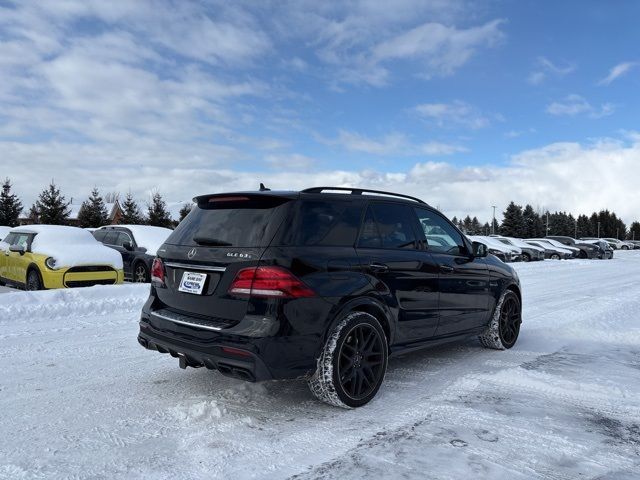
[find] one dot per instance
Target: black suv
(138, 245)
(325, 284)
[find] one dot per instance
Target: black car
(324, 284)
(138, 245)
(587, 250)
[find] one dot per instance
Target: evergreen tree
(486, 228)
(131, 214)
(585, 229)
(476, 228)
(467, 225)
(93, 212)
(33, 217)
(157, 212)
(186, 209)
(10, 206)
(531, 223)
(52, 207)
(513, 221)
(634, 231)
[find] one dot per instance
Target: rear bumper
(247, 358)
(249, 368)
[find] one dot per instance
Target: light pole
(547, 223)
(598, 229)
(617, 234)
(575, 231)
(493, 228)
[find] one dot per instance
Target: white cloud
(292, 161)
(391, 144)
(455, 113)
(573, 105)
(567, 176)
(544, 68)
(617, 71)
(439, 49)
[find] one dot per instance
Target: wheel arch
(34, 267)
(515, 289)
(366, 305)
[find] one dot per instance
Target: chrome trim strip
(188, 266)
(181, 322)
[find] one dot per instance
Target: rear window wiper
(211, 242)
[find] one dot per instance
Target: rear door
(221, 236)
(406, 276)
(463, 281)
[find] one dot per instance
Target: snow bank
(70, 246)
(72, 302)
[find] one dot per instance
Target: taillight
(274, 282)
(157, 273)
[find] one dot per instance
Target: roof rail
(360, 191)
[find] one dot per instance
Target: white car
(563, 250)
(506, 253)
(529, 252)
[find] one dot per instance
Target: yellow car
(38, 257)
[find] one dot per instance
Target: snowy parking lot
(81, 399)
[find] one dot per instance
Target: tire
(526, 257)
(504, 329)
(34, 281)
(555, 256)
(342, 357)
(140, 273)
(624, 247)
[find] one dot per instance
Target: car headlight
(50, 263)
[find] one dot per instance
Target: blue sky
(464, 104)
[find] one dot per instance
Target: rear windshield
(237, 221)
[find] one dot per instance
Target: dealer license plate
(192, 283)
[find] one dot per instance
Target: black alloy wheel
(141, 273)
(361, 362)
(33, 281)
(510, 320)
(555, 256)
(526, 257)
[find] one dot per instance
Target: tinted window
(369, 235)
(238, 221)
(122, 238)
(99, 235)
(394, 226)
(440, 235)
(111, 237)
(324, 223)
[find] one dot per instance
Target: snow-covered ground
(79, 398)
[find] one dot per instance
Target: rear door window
(322, 223)
(111, 237)
(122, 238)
(388, 225)
(99, 235)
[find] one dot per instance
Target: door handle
(378, 267)
(446, 268)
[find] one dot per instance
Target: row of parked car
(48, 256)
(52, 256)
(553, 247)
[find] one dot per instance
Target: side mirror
(479, 250)
(17, 248)
(127, 246)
